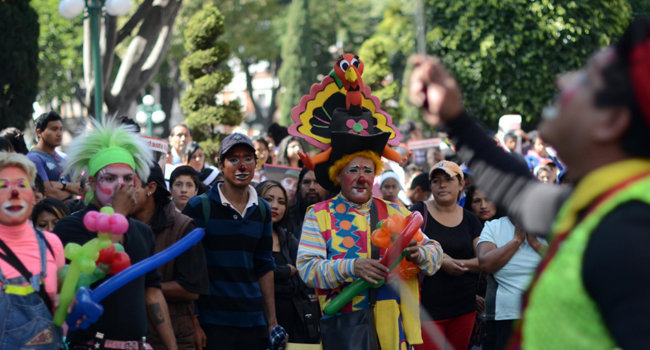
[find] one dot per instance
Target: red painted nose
(14, 193)
(362, 180)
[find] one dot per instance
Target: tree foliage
(60, 63)
(254, 29)
(317, 32)
(18, 59)
(132, 50)
(506, 54)
(132, 54)
(385, 53)
(205, 71)
(297, 71)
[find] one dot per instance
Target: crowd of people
(277, 257)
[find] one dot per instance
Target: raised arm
(505, 180)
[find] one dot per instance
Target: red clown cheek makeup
(16, 196)
(108, 180)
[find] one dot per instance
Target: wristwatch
(64, 183)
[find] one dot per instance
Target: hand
(74, 188)
(434, 89)
(453, 266)
(293, 270)
(370, 270)
(414, 256)
(480, 304)
(520, 235)
(200, 339)
(125, 199)
(535, 243)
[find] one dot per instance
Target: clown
(115, 159)
(335, 246)
(29, 259)
(27, 293)
(593, 279)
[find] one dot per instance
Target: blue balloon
(86, 310)
(134, 271)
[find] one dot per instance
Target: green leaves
(203, 29)
(505, 54)
(205, 70)
(19, 62)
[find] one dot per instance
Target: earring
(148, 194)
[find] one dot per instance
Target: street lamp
(71, 9)
(149, 112)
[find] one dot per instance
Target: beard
(312, 198)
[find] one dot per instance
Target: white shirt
(515, 276)
(252, 199)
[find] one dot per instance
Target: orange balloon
(395, 224)
(381, 238)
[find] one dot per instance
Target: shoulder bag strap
(378, 212)
(13, 260)
(47, 243)
(262, 208)
(205, 201)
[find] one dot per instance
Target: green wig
(104, 144)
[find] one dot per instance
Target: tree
(132, 49)
(60, 64)
(640, 7)
(253, 29)
(143, 55)
(507, 53)
(205, 70)
(385, 53)
(317, 33)
(19, 60)
(297, 71)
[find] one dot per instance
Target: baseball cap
(450, 168)
(421, 180)
(233, 140)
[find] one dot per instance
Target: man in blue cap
(239, 312)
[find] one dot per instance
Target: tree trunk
(275, 68)
(249, 87)
(146, 50)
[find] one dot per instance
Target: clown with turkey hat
(341, 117)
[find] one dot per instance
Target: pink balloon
(103, 223)
(119, 224)
(90, 220)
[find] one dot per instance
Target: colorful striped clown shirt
(335, 233)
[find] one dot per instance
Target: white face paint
(15, 210)
(16, 196)
(108, 180)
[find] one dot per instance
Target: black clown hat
(350, 134)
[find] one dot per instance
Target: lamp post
(71, 9)
(150, 113)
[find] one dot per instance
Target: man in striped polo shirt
(239, 311)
